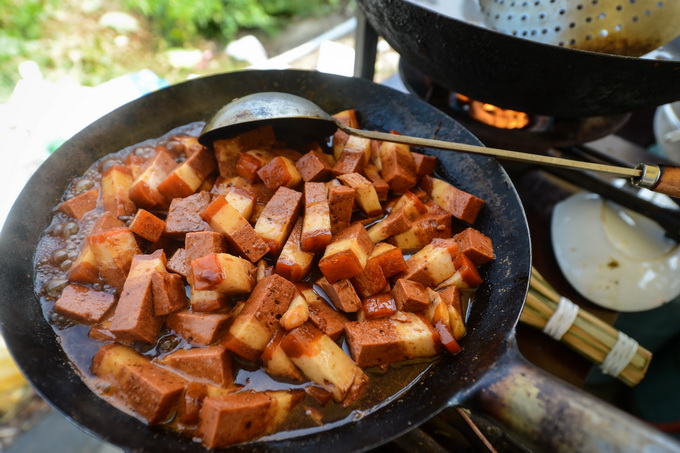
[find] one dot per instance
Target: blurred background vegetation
(92, 41)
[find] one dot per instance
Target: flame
(492, 115)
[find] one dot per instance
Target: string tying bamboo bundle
(615, 352)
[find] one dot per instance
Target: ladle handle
(669, 181)
(558, 417)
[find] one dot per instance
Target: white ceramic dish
(614, 257)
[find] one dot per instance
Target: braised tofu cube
(184, 215)
(202, 243)
(228, 150)
(380, 342)
(365, 195)
(371, 280)
(466, 276)
(187, 177)
(316, 227)
(169, 294)
(452, 299)
(80, 205)
(278, 218)
(323, 362)
(438, 315)
(342, 294)
(184, 144)
(350, 161)
(194, 395)
(379, 184)
(313, 166)
(395, 223)
(116, 183)
(276, 362)
(411, 205)
(254, 326)
(296, 314)
(84, 268)
(242, 200)
(211, 364)
(203, 301)
(83, 304)
(144, 190)
(462, 205)
(398, 166)
(340, 137)
(224, 273)
(425, 164)
(322, 315)
(250, 162)
(476, 245)
(391, 259)
(199, 329)
(280, 172)
(346, 256)
(293, 263)
(148, 390)
(113, 249)
(410, 295)
(147, 226)
(225, 219)
(341, 205)
(360, 144)
(179, 263)
(379, 305)
(424, 230)
(433, 263)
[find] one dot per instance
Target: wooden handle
(669, 182)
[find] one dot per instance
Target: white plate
(612, 256)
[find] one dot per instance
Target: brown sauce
(59, 247)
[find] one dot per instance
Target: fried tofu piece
(169, 294)
(466, 277)
(84, 304)
(398, 166)
(396, 222)
(452, 299)
(188, 176)
(324, 317)
(81, 204)
(350, 161)
(242, 200)
(224, 218)
(280, 172)
(391, 259)
(432, 264)
(144, 190)
(296, 314)
(278, 218)
(340, 137)
(313, 166)
(380, 342)
(184, 215)
(341, 205)
(365, 195)
(293, 263)
(211, 364)
(425, 164)
(250, 162)
(276, 362)
(323, 362)
(410, 295)
(254, 326)
(113, 249)
(424, 230)
(438, 314)
(147, 226)
(316, 227)
(372, 279)
(116, 183)
(346, 256)
(476, 245)
(379, 305)
(199, 329)
(84, 268)
(342, 294)
(149, 390)
(224, 273)
(228, 150)
(380, 185)
(464, 206)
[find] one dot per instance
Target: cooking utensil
(302, 115)
(488, 374)
(609, 26)
(515, 73)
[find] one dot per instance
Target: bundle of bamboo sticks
(588, 335)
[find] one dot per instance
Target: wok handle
(558, 417)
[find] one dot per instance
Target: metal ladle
(300, 114)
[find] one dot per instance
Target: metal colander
(622, 27)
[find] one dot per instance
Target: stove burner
(538, 133)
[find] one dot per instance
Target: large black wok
(517, 73)
(489, 374)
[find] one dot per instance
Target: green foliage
(180, 21)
